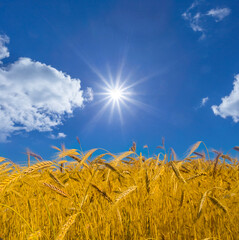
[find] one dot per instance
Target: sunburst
(117, 93)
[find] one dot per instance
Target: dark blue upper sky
(185, 51)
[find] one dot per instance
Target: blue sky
(178, 58)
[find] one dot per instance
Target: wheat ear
(217, 203)
(125, 193)
(201, 203)
(56, 179)
(66, 227)
(9, 180)
(104, 194)
(113, 169)
(35, 235)
(56, 189)
(38, 166)
(194, 148)
(177, 173)
(196, 176)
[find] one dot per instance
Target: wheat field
(128, 196)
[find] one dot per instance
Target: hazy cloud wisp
(197, 18)
(204, 101)
(219, 13)
(57, 136)
(194, 19)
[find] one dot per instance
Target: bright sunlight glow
(116, 94)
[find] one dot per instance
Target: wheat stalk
(38, 166)
(12, 178)
(88, 154)
(74, 157)
(104, 194)
(181, 199)
(35, 235)
(56, 189)
(113, 169)
(215, 164)
(194, 148)
(196, 176)
(122, 156)
(217, 203)
(203, 199)
(125, 193)
(177, 173)
(202, 155)
(56, 179)
(66, 227)
(147, 181)
(4, 165)
(69, 152)
(98, 158)
(174, 154)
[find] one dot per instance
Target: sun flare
(116, 94)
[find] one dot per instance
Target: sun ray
(110, 75)
(145, 107)
(100, 101)
(119, 74)
(112, 111)
(139, 81)
(92, 123)
(120, 112)
(96, 71)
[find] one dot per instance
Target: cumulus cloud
(197, 19)
(57, 136)
(204, 101)
(36, 96)
(219, 13)
(229, 106)
(4, 53)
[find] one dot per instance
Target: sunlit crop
(128, 196)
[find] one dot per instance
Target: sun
(116, 94)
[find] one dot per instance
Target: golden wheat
(125, 193)
(38, 166)
(66, 226)
(56, 189)
(128, 197)
(104, 194)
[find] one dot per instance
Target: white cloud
(198, 19)
(36, 96)
(57, 136)
(204, 101)
(88, 95)
(194, 19)
(4, 53)
(230, 104)
(219, 13)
